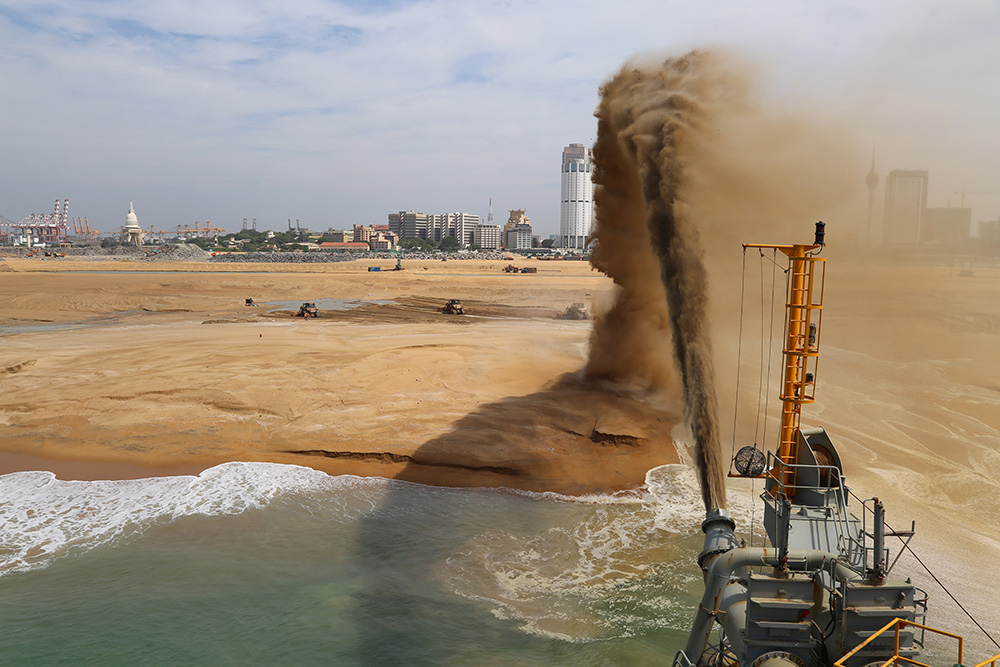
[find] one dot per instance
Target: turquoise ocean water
(264, 564)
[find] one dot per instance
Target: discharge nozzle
(720, 535)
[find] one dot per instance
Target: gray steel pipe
(726, 599)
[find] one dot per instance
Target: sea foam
(44, 518)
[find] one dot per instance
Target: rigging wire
(760, 382)
(736, 401)
(739, 357)
(770, 347)
(934, 577)
(945, 589)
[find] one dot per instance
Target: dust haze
(686, 160)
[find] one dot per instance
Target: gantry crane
(196, 230)
(83, 229)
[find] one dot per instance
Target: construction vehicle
(308, 309)
(576, 311)
(510, 268)
(453, 307)
(250, 302)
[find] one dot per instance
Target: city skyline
(333, 113)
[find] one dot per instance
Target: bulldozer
(308, 309)
(576, 311)
(453, 307)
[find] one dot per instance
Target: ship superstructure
(823, 589)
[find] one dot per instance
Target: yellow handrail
(899, 623)
(992, 662)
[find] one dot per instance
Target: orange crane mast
(803, 316)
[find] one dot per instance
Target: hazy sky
(340, 112)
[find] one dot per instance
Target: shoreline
(181, 370)
(81, 470)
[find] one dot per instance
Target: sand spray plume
(644, 119)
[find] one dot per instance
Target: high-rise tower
(905, 203)
(576, 213)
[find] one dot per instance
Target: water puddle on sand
(14, 328)
(326, 304)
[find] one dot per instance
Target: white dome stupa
(132, 233)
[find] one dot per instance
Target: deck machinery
(821, 587)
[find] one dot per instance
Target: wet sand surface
(171, 368)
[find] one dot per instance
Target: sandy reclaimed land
(167, 372)
(120, 369)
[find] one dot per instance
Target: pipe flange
(778, 659)
(705, 556)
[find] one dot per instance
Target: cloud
(339, 112)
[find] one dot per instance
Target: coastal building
(378, 237)
(460, 225)
(465, 227)
(339, 236)
(409, 224)
(433, 226)
(437, 226)
(363, 232)
(518, 238)
(488, 237)
(905, 205)
(576, 210)
(517, 231)
(384, 241)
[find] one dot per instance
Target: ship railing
(849, 545)
(897, 624)
(719, 653)
(681, 660)
(920, 598)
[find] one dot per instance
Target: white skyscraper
(576, 214)
(905, 206)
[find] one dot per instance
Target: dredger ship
(824, 591)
